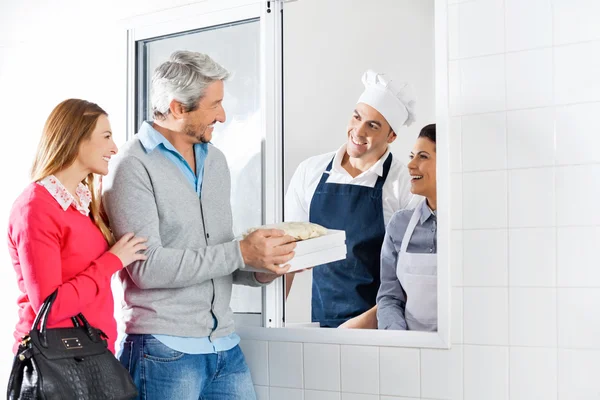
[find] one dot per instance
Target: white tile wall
(576, 21)
(359, 396)
(578, 373)
(321, 395)
(529, 77)
(456, 261)
(499, 61)
(525, 207)
(322, 367)
(455, 144)
(453, 31)
(574, 144)
(456, 196)
(486, 373)
(528, 24)
(485, 203)
(532, 317)
(484, 142)
(577, 198)
(533, 373)
(257, 358)
(360, 369)
(530, 137)
(577, 256)
(457, 315)
(531, 257)
(575, 73)
(484, 17)
(454, 88)
(399, 372)
(480, 85)
(262, 392)
(397, 398)
(489, 305)
(526, 223)
(286, 365)
(578, 322)
(485, 257)
(442, 373)
(278, 393)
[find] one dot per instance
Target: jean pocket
(126, 355)
(155, 350)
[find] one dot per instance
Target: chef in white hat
(356, 189)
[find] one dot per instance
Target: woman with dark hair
(407, 297)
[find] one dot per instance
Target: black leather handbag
(67, 364)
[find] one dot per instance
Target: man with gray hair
(170, 185)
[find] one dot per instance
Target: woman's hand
(128, 249)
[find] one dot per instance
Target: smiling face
(368, 134)
(199, 123)
(422, 168)
(95, 152)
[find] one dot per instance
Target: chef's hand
(366, 320)
(269, 250)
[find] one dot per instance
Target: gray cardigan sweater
(192, 258)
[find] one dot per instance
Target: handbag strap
(86, 325)
(44, 309)
(41, 320)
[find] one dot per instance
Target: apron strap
(411, 226)
(386, 169)
(380, 180)
(325, 174)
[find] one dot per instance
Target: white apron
(417, 273)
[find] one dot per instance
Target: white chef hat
(393, 100)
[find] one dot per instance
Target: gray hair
(184, 78)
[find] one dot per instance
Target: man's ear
(392, 136)
(176, 109)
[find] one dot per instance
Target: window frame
(217, 12)
(213, 13)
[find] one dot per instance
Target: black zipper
(212, 301)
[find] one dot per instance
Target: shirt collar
(151, 138)
(66, 199)
(376, 168)
(426, 212)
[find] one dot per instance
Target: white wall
(323, 67)
(526, 289)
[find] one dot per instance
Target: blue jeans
(161, 373)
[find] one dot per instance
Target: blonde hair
(70, 124)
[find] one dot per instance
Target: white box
(333, 238)
(317, 258)
(312, 252)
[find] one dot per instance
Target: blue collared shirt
(153, 140)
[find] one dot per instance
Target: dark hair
(428, 132)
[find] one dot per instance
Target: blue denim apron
(344, 289)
